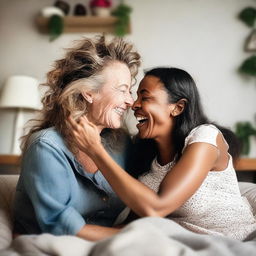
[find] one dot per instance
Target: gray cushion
(7, 189)
(249, 191)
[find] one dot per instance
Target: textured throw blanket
(146, 236)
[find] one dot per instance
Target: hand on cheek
(85, 134)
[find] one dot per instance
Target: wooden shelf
(78, 24)
(10, 159)
(243, 164)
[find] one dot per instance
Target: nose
(136, 105)
(129, 100)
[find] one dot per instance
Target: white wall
(204, 37)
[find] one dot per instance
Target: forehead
(117, 70)
(151, 84)
(116, 74)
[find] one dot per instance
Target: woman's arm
(177, 187)
(95, 232)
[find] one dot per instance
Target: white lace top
(217, 207)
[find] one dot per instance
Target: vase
(101, 11)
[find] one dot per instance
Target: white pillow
(7, 188)
(248, 190)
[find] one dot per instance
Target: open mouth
(142, 120)
(119, 111)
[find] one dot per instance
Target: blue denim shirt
(56, 195)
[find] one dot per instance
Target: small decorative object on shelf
(64, 6)
(250, 44)
(122, 12)
(101, 7)
(49, 11)
(80, 10)
(244, 130)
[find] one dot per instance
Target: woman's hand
(86, 135)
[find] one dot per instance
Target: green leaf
(249, 66)
(243, 131)
(55, 26)
(122, 12)
(248, 16)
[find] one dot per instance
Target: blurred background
(204, 37)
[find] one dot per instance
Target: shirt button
(104, 198)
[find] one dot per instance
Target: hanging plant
(55, 26)
(122, 12)
(243, 131)
(248, 16)
(249, 66)
(55, 20)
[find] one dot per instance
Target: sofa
(7, 190)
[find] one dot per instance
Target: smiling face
(110, 103)
(153, 110)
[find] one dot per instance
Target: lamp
(19, 92)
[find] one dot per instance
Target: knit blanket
(145, 236)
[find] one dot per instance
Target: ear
(179, 107)
(87, 96)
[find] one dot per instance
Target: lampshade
(20, 92)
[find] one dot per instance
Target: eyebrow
(143, 91)
(126, 85)
(121, 85)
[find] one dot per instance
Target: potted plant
(244, 130)
(122, 12)
(55, 22)
(101, 7)
(248, 16)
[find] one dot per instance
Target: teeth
(119, 111)
(141, 118)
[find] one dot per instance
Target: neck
(165, 148)
(99, 127)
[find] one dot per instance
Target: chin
(143, 135)
(115, 125)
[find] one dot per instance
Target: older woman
(60, 190)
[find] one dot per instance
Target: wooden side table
(246, 168)
(246, 164)
(10, 159)
(9, 164)
(242, 164)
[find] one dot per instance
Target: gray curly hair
(81, 66)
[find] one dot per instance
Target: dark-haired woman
(191, 177)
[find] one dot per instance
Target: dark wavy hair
(179, 85)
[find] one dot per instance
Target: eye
(145, 98)
(122, 90)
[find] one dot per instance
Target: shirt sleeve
(203, 133)
(47, 178)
